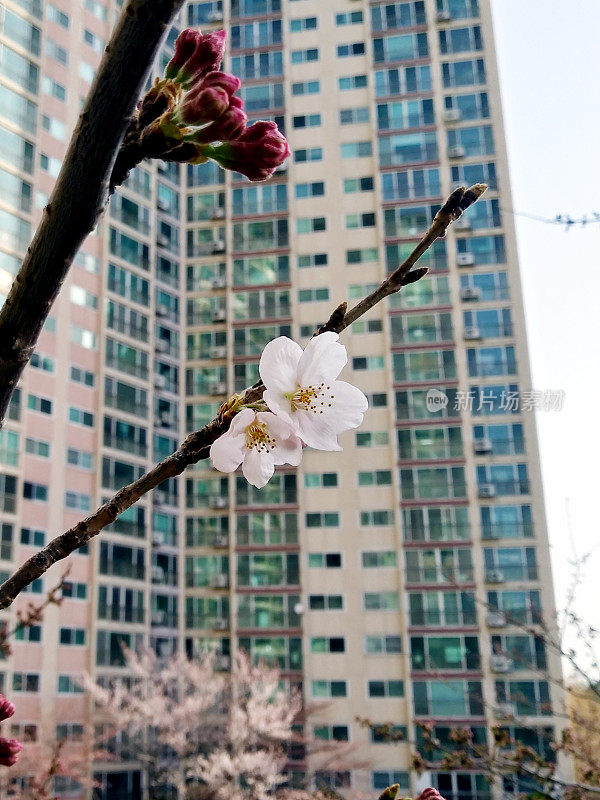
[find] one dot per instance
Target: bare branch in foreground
(81, 190)
(197, 445)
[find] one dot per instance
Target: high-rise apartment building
(402, 578)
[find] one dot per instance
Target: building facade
(402, 578)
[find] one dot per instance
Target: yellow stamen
(258, 436)
(310, 398)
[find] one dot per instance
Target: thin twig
(197, 445)
(81, 190)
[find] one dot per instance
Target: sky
(548, 57)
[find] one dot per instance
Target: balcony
(439, 575)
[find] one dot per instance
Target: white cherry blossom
(302, 389)
(259, 441)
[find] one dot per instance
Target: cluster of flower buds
(195, 115)
(9, 748)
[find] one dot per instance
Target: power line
(565, 220)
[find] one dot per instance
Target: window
(356, 149)
(306, 121)
(381, 779)
(383, 645)
(381, 601)
(324, 644)
(82, 297)
(31, 633)
(315, 189)
(56, 52)
(365, 220)
(322, 519)
(442, 653)
(306, 87)
(448, 698)
(35, 491)
(405, 47)
(380, 477)
(37, 447)
(86, 72)
(349, 18)
(57, 16)
(81, 417)
(304, 56)
(94, 41)
(325, 560)
(80, 458)
(320, 479)
(309, 154)
(349, 82)
(97, 9)
(398, 15)
(351, 116)
(460, 40)
(326, 602)
(368, 362)
(33, 537)
(377, 559)
(370, 518)
(385, 689)
(84, 376)
(305, 24)
(352, 49)
(26, 682)
(311, 224)
(78, 501)
(352, 185)
(328, 688)
(67, 684)
(372, 439)
(53, 88)
(313, 260)
(74, 590)
(72, 636)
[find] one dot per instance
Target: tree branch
(197, 445)
(82, 188)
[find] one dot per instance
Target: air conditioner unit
(166, 420)
(218, 352)
(221, 541)
(217, 213)
(216, 501)
(221, 625)
(218, 315)
(487, 490)
(465, 259)
(163, 166)
(443, 16)
(481, 446)
(494, 576)
(219, 581)
(163, 240)
(158, 617)
(218, 246)
(158, 574)
(500, 663)
(222, 663)
(458, 151)
(469, 293)
(160, 382)
(496, 619)
(157, 539)
(163, 205)
(471, 332)
(504, 711)
(215, 16)
(162, 310)
(160, 497)
(451, 115)
(218, 282)
(218, 388)
(463, 224)
(161, 346)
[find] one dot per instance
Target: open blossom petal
(322, 360)
(304, 391)
(279, 364)
(258, 442)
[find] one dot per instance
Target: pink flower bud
(208, 98)
(7, 709)
(196, 54)
(9, 751)
(256, 153)
(228, 126)
(430, 794)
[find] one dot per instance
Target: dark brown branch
(197, 444)
(81, 190)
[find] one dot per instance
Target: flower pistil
(310, 398)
